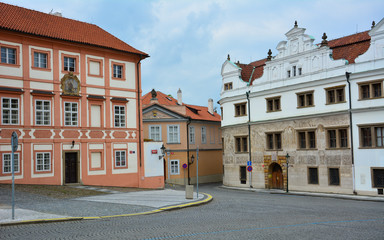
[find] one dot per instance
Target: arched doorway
(276, 173)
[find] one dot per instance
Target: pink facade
(74, 104)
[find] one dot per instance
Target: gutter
(139, 105)
(347, 75)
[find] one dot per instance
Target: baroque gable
(157, 113)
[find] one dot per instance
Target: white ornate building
(322, 104)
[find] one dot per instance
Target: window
(8, 55)
(273, 104)
(192, 135)
(306, 139)
(120, 159)
(173, 134)
(313, 176)
(222, 113)
(117, 71)
(334, 176)
(335, 95)
(119, 116)
(7, 161)
(70, 114)
(337, 138)
(43, 161)
(300, 71)
(174, 167)
(155, 133)
(203, 135)
(273, 141)
(241, 144)
(69, 64)
(305, 99)
(371, 90)
(289, 73)
(40, 60)
(240, 109)
(43, 112)
(227, 86)
(294, 70)
(10, 111)
(372, 136)
(378, 178)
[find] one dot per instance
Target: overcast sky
(188, 40)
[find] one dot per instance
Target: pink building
(71, 91)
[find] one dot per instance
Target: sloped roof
(193, 111)
(348, 47)
(36, 23)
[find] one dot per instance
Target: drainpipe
(249, 136)
(347, 75)
(139, 104)
(188, 122)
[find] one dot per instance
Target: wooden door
(71, 167)
(277, 177)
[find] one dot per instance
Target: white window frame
(192, 135)
(72, 114)
(44, 113)
(40, 60)
(46, 156)
(9, 159)
(173, 134)
(69, 62)
(11, 111)
(203, 135)
(119, 118)
(174, 167)
(117, 71)
(6, 55)
(118, 158)
(153, 132)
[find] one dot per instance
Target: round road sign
(249, 168)
(185, 165)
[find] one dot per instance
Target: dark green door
(71, 167)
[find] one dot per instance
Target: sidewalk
(313, 194)
(114, 204)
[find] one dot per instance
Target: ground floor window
(313, 175)
(43, 161)
(378, 178)
(334, 176)
(120, 159)
(175, 167)
(7, 160)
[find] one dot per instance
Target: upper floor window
(273, 141)
(8, 55)
(117, 71)
(203, 135)
(306, 139)
(155, 133)
(192, 135)
(228, 86)
(337, 138)
(43, 112)
(300, 71)
(372, 136)
(371, 90)
(173, 134)
(305, 99)
(40, 60)
(69, 64)
(7, 161)
(70, 113)
(335, 95)
(273, 104)
(241, 144)
(10, 111)
(294, 71)
(240, 109)
(119, 115)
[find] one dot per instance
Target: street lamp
(192, 159)
(189, 163)
(287, 160)
(162, 152)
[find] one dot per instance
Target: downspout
(188, 122)
(347, 75)
(249, 137)
(139, 105)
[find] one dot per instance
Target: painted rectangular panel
(119, 146)
(95, 116)
(95, 91)
(96, 146)
(42, 86)
(96, 160)
(42, 147)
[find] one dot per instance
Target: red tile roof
(349, 48)
(192, 111)
(28, 21)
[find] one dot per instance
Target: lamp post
(189, 163)
(162, 152)
(287, 160)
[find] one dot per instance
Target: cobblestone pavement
(232, 214)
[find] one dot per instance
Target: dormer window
(227, 86)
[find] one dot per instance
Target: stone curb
(207, 198)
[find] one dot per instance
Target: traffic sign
(249, 163)
(185, 165)
(14, 142)
(249, 168)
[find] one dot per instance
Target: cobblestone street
(233, 214)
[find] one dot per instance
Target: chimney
(179, 97)
(210, 106)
